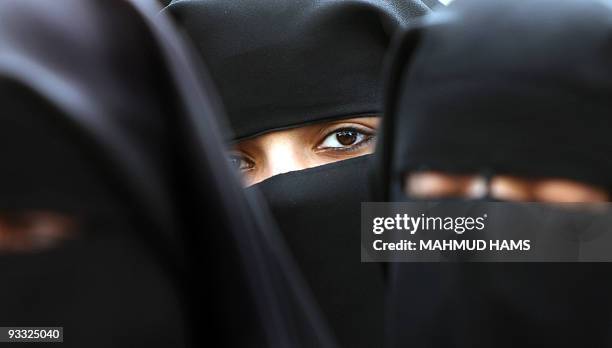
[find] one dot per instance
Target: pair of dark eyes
(343, 139)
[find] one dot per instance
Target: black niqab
(519, 88)
(282, 64)
(103, 120)
(318, 210)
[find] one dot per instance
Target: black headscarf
(519, 88)
(286, 63)
(102, 120)
(525, 96)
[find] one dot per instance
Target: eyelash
(250, 163)
(369, 136)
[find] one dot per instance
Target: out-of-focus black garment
(519, 88)
(103, 120)
(285, 63)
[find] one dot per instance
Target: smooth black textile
(490, 87)
(318, 211)
(527, 96)
(285, 63)
(103, 120)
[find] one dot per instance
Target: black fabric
(113, 276)
(103, 120)
(318, 211)
(284, 63)
(502, 305)
(519, 88)
(535, 90)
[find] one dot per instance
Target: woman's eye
(344, 138)
(32, 231)
(239, 162)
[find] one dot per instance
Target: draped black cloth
(318, 210)
(518, 88)
(285, 63)
(103, 120)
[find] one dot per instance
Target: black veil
(486, 86)
(105, 121)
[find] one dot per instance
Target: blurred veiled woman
(120, 219)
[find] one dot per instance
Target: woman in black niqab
(520, 89)
(286, 65)
(120, 218)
